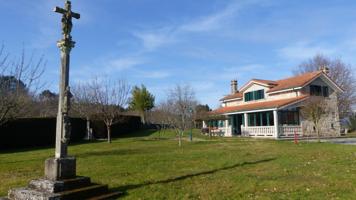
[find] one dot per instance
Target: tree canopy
(341, 73)
(142, 100)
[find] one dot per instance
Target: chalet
(272, 109)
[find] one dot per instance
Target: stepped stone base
(69, 189)
(60, 168)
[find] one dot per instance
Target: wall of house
(254, 87)
(330, 123)
(283, 95)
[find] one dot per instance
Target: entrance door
(237, 121)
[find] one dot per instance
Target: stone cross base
(69, 189)
(61, 183)
(60, 168)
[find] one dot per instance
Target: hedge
(39, 132)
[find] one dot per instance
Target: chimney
(324, 69)
(234, 87)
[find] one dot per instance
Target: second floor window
(317, 90)
(254, 95)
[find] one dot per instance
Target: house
(272, 109)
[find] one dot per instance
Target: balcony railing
(258, 131)
(270, 131)
(290, 131)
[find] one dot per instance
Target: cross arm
(59, 10)
(63, 11)
(76, 15)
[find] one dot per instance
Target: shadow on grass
(44, 147)
(125, 188)
(140, 133)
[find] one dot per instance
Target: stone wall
(330, 123)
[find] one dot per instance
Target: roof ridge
(299, 75)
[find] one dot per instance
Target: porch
(259, 124)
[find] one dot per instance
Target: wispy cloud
(153, 74)
(120, 64)
(217, 21)
(156, 38)
(303, 50)
(213, 21)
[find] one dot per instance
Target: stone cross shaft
(65, 45)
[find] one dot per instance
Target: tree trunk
(317, 131)
(180, 139)
(89, 137)
(143, 120)
(108, 127)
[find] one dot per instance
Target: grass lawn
(144, 167)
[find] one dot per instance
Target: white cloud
(125, 63)
(303, 50)
(154, 74)
(213, 21)
(154, 39)
(219, 21)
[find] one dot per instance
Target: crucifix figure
(66, 44)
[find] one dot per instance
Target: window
(315, 90)
(254, 95)
(249, 96)
(289, 117)
(326, 91)
(260, 119)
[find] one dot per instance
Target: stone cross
(65, 45)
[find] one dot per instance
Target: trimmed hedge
(39, 132)
(126, 125)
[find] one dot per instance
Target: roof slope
(292, 82)
(295, 81)
(259, 105)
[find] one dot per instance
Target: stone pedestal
(61, 183)
(60, 168)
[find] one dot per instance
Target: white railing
(290, 131)
(258, 131)
(220, 131)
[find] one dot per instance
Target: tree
(202, 112)
(83, 104)
(314, 109)
(341, 73)
(47, 103)
(142, 100)
(158, 116)
(19, 82)
(108, 99)
(179, 109)
(352, 122)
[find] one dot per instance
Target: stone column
(245, 120)
(275, 120)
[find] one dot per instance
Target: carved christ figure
(67, 15)
(67, 20)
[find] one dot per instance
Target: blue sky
(204, 43)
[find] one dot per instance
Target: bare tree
(159, 117)
(341, 73)
(83, 104)
(108, 101)
(47, 104)
(314, 110)
(179, 109)
(19, 82)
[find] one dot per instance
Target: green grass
(145, 167)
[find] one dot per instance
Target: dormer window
(254, 95)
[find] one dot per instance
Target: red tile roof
(259, 105)
(292, 82)
(232, 96)
(267, 82)
(295, 81)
